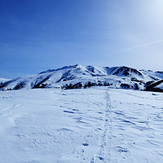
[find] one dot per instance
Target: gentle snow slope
(86, 125)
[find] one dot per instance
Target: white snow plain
(84, 125)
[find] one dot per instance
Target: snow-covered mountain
(3, 80)
(78, 76)
(154, 86)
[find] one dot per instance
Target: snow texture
(85, 125)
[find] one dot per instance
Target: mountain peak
(78, 76)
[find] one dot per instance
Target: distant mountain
(3, 80)
(78, 76)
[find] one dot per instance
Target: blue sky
(36, 35)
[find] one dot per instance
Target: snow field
(85, 125)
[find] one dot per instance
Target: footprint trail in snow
(86, 125)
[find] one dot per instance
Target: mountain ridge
(78, 76)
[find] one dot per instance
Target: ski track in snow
(88, 125)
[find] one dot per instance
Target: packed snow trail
(104, 144)
(108, 121)
(77, 126)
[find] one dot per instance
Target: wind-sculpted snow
(86, 125)
(78, 76)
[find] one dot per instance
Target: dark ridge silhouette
(151, 86)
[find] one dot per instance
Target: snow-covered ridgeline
(78, 76)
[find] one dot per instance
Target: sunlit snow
(85, 125)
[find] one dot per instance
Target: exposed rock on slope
(154, 86)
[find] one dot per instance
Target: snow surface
(160, 86)
(85, 125)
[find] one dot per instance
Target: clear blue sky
(36, 35)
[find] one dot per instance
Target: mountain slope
(77, 76)
(3, 80)
(155, 86)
